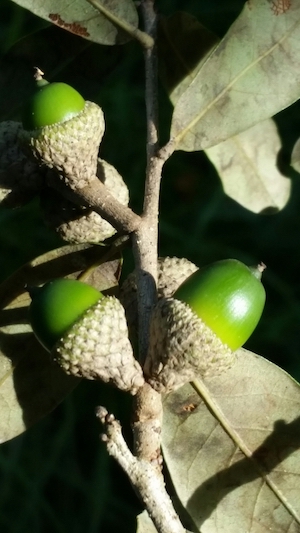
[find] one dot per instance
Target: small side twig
(143, 476)
(97, 197)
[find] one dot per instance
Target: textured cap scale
(20, 178)
(172, 271)
(182, 347)
(78, 224)
(70, 147)
(97, 347)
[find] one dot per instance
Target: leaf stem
(202, 390)
(144, 39)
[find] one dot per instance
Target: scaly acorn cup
(78, 224)
(97, 347)
(85, 332)
(222, 304)
(182, 347)
(172, 271)
(20, 178)
(63, 132)
(56, 306)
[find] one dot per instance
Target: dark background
(57, 477)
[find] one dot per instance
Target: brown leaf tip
(73, 27)
(280, 6)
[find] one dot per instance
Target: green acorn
(85, 332)
(56, 306)
(229, 297)
(195, 333)
(97, 347)
(63, 132)
(52, 103)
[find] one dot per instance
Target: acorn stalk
(79, 224)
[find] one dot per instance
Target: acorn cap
(78, 224)
(182, 347)
(71, 147)
(97, 347)
(172, 271)
(111, 178)
(10, 150)
(20, 178)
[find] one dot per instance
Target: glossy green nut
(229, 297)
(50, 104)
(56, 306)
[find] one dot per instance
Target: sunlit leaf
(247, 167)
(81, 18)
(235, 463)
(246, 163)
(31, 385)
(251, 75)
